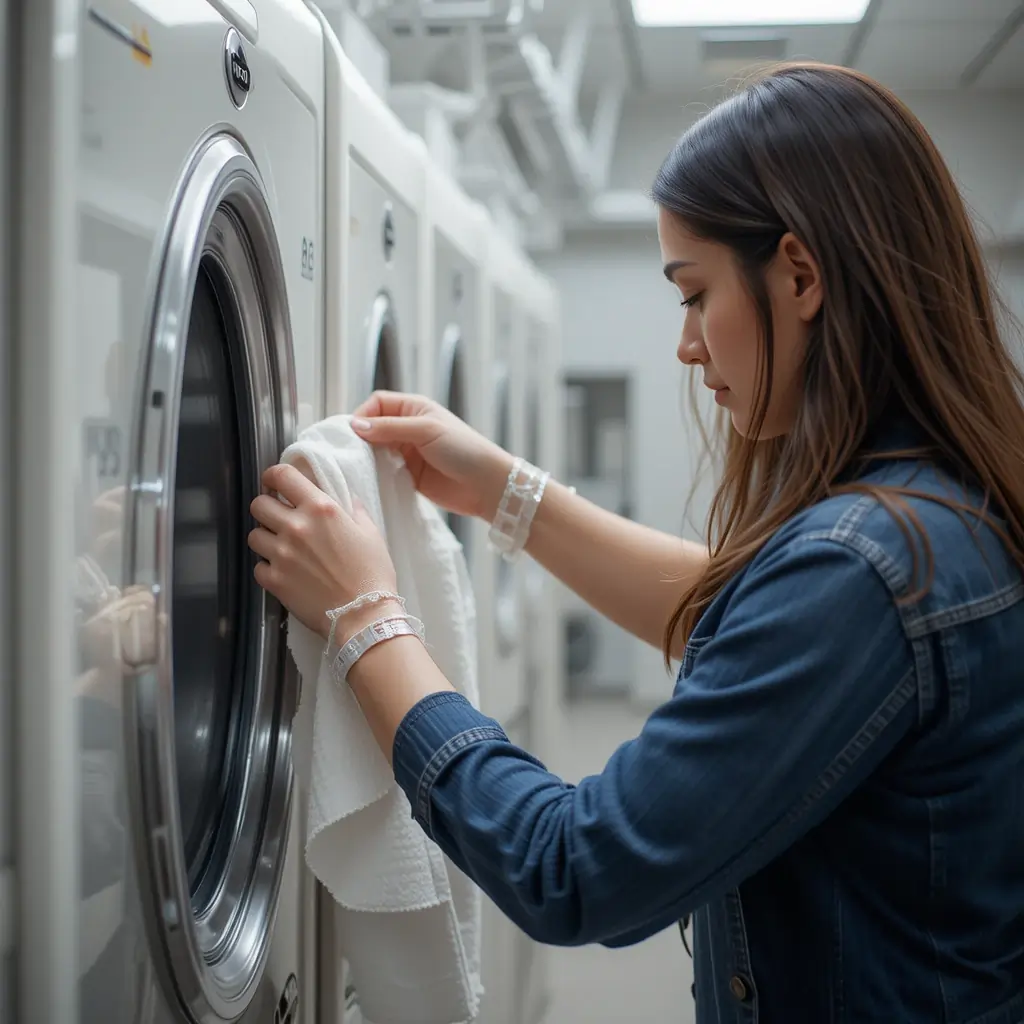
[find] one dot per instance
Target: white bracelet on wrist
(373, 597)
(376, 633)
(523, 493)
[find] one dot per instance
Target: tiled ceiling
(910, 45)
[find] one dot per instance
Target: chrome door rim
(382, 335)
(211, 962)
(451, 375)
(452, 366)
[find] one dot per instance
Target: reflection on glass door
(211, 583)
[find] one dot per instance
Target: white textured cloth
(408, 920)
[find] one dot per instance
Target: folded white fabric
(408, 920)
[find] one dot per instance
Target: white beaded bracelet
(376, 633)
(523, 493)
(372, 597)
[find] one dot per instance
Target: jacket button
(739, 988)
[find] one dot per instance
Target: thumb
(398, 430)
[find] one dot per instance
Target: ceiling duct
(441, 17)
(541, 104)
(726, 52)
(529, 96)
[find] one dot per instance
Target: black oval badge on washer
(388, 233)
(236, 68)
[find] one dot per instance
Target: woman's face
(721, 329)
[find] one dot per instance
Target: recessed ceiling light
(675, 13)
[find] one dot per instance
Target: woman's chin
(770, 429)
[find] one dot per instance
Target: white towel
(408, 920)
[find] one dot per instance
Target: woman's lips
(722, 395)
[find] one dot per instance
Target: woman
(835, 789)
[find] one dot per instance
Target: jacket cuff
(432, 734)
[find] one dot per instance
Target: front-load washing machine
(542, 658)
(454, 368)
(374, 206)
(375, 178)
(499, 595)
(194, 334)
(502, 688)
(543, 448)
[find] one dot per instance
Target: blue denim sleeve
(807, 684)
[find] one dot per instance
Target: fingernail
(361, 424)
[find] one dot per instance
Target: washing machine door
(210, 715)
(454, 394)
(383, 355)
(506, 599)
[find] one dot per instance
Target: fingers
(269, 512)
(398, 430)
(392, 403)
(263, 543)
(291, 484)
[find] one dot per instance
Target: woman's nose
(691, 351)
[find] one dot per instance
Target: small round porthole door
(506, 596)
(383, 363)
(210, 728)
(453, 392)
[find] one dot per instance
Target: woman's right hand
(451, 464)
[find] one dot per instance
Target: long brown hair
(908, 322)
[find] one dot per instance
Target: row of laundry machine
(216, 233)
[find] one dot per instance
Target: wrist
(393, 660)
(389, 681)
(513, 520)
(358, 619)
(494, 484)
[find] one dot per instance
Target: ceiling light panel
(704, 13)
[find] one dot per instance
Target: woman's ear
(802, 275)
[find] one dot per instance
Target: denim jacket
(834, 791)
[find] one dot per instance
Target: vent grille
(726, 48)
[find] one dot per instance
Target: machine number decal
(104, 452)
(308, 259)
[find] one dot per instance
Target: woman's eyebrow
(671, 268)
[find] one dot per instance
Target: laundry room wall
(620, 316)
(979, 134)
(1008, 272)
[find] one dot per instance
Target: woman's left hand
(315, 555)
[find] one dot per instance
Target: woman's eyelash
(692, 300)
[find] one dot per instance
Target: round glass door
(506, 599)
(454, 393)
(209, 601)
(210, 735)
(383, 358)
